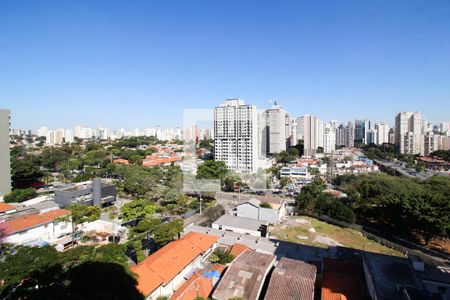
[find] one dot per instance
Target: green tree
(265, 205)
(284, 181)
(81, 213)
(136, 209)
(24, 170)
(146, 225)
(20, 195)
(212, 170)
(167, 231)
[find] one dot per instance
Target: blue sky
(139, 63)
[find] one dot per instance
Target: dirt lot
(310, 231)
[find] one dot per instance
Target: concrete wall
(247, 210)
(5, 160)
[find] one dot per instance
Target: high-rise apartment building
(236, 136)
(362, 128)
(308, 125)
(382, 133)
(430, 143)
(340, 135)
(409, 133)
(69, 136)
(42, 131)
(349, 135)
(329, 138)
(5, 159)
(277, 129)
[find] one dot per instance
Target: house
(167, 269)
(297, 173)
(200, 284)
(6, 208)
(252, 209)
(245, 276)
(292, 280)
(242, 225)
(38, 228)
(160, 159)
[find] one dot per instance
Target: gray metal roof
(240, 222)
(45, 205)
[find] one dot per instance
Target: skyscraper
(277, 129)
(349, 135)
(362, 128)
(382, 133)
(42, 131)
(409, 133)
(329, 138)
(340, 135)
(236, 140)
(5, 159)
(308, 125)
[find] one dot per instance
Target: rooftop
(245, 276)
(4, 207)
(162, 266)
(237, 249)
(341, 280)
(199, 285)
(292, 280)
(29, 221)
(240, 222)
(389, 272)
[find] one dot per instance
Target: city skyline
(141, 65)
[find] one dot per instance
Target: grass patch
(291, 230)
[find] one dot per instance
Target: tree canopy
(212, 170)
(19, 195)
(401, 203)
(312, 199)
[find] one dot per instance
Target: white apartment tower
(5, 159)
(382, 130)
(409, 133)
(329, 138)
(277, 129)
(236, 136)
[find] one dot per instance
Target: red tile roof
(197, 286)
(237, 249)
(30, 221)
(155, 159)
(162, 266)
(5, 207)
(341, 280)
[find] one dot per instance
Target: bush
(265, 205)
(20, 195)
(221, 257)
